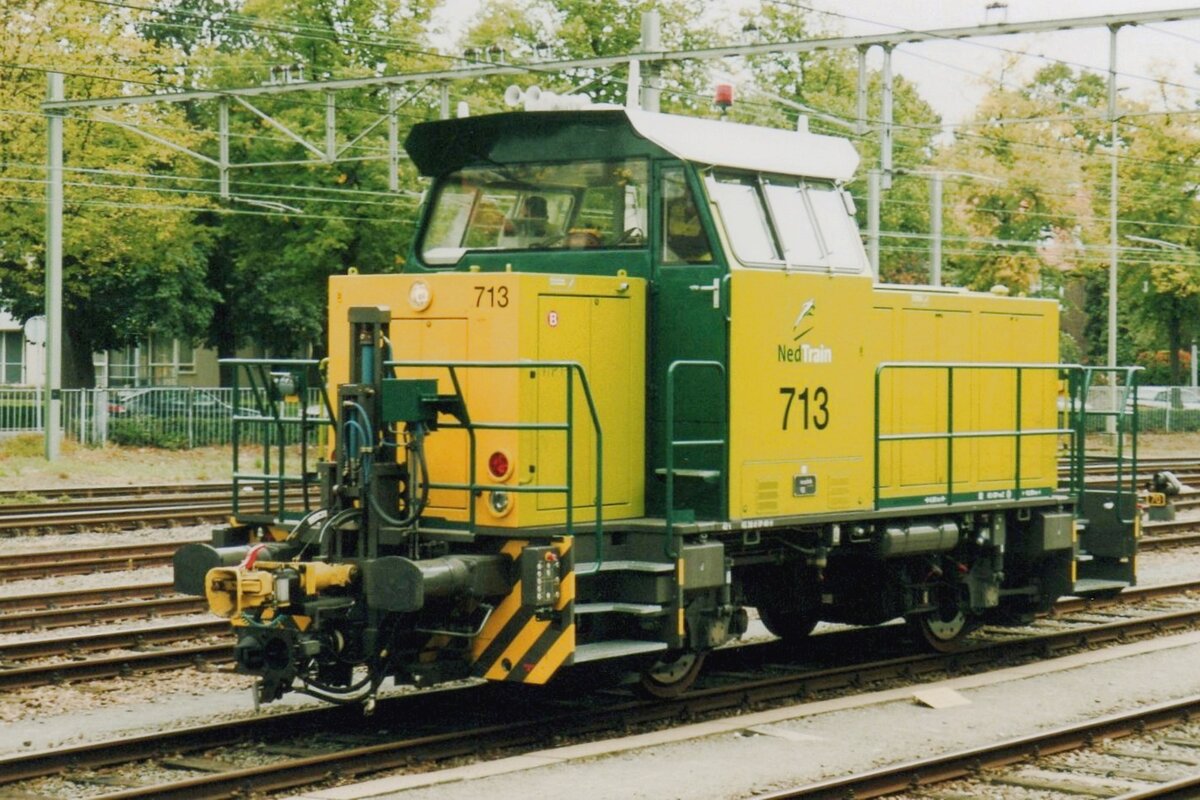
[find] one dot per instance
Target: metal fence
(1161, 409)
(180, 417)
(173, 417)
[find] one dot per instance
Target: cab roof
(446, 145)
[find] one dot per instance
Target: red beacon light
(723, 96)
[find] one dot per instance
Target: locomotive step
(706, 475)
(1093, 585)
(637, 609)
(584, 567)
(614, 649)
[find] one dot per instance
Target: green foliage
(153, 249)
(1042, 221)
(134, 259)
(272, 267)
(1159, 368)
(145, 432)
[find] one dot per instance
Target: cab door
(688, 322)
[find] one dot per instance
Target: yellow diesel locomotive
(636, 379)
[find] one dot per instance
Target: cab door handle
(714, 287)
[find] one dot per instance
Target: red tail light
(498, 465)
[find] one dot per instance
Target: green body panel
(685, 325)
(682, 322)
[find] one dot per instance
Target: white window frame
(770, 217)
(6, 361)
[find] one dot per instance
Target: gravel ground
(97, 580)
(37, 542)
(758, 753)
(108, 627)
(50, 716)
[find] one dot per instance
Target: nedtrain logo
(804, 353)
(805, 310)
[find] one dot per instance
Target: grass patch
(25, 445)
(21, 498)
(25, 467)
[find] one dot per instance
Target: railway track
(25, 613)
(75, 598)
(87, 560)
(114, 558)
(140, 607)
(140, 638)
(303, 747)
(48, 495)
(74, 645)
(994, 766)
(122, 508)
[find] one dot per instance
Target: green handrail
(274, 480)
(571, 370)
(669, 501)
(1079, 380)
(950, 435)
(1125, 414)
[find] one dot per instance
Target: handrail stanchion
(950, 435)
(1017, 438)
(669, 494)
(878, 451)
(269, 415)
(569, 376)
(472, 486)
(234, 437)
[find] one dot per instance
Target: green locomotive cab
(635, 380)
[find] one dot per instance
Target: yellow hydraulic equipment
(233, 590)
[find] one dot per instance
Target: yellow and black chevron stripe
(515, 645)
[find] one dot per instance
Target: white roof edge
(752, 147)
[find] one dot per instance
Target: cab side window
(683, 238)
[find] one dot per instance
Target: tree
(533, 30)
(1019, 222)
(289, 227)
(1161, 269)
(826, 83)
(133, 260)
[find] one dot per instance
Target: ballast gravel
(53, 716)
(753, 755)
(37, 542)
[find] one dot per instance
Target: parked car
(1163, 397)
(173, 402)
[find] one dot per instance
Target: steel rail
(129, 517)
(86, 505)
(124, 518)
(1105, 465)
(1163, 535)
(965, 763)
(386, 755)
(145, 636)
(115, 666)
(51, 493)
(45, 619)
(127, 639)
(82, 597)
(82, 561)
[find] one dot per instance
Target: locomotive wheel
(788, 625)
(666, 679)
(943, 631)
